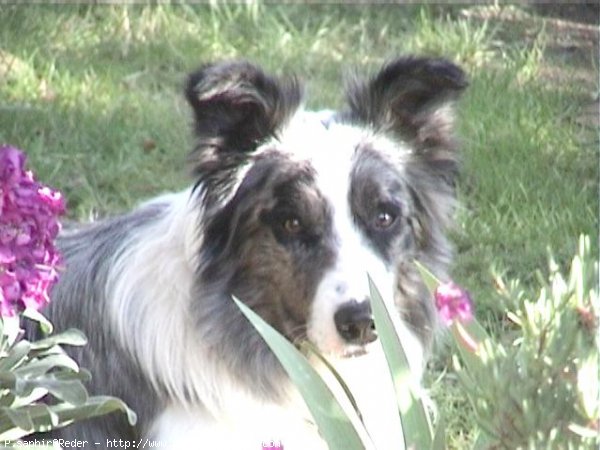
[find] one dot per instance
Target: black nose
(354, 322)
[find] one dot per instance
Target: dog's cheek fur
(433, 206)
(279, 282)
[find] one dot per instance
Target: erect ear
(412, 99)
(236, 107)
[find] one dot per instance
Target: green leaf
(37, 367)
(470, 344)
(20, 418)
(6, 398)
(430, 280)
(10, 431)
(70, 391)
(415, 422)
(32, 396)
(71, 337)
(17, 354)
(588, 386)
(83, 375)
(340, 431)
(584, 432)
(38, 417)
(482, 441)
(45, 352)
(38, 317)
(42, 417)
(8, 380)
(310, 347)
(439, 437)
(95, 406)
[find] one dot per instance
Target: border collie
(289, 211)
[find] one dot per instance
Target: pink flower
(453, 303)
(53, 199)
(28, 227)
(272, 445)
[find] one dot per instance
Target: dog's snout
(354, 322)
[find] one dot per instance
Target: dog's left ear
(412, 98)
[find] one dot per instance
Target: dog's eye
(292, 225)
(384, 219)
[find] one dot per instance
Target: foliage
(41, 387)
(541, 391)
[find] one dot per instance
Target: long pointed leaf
(439, 437)
(471, 340)
(415, 422)
(313, 349)
(335, 426)
(428, 277)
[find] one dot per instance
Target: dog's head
(298, 207)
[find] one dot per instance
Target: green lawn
(93, 94)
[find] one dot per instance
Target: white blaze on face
(331, 151)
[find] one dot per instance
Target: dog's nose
(354, 322)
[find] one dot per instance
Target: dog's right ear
(237, 106)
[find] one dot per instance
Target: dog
(289, 211)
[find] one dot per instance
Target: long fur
(288, 212)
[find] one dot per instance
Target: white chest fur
(249, 423)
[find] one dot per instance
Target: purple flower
(12, 162)
(453, 303)
(29, 225)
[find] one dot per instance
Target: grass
(93, 94)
